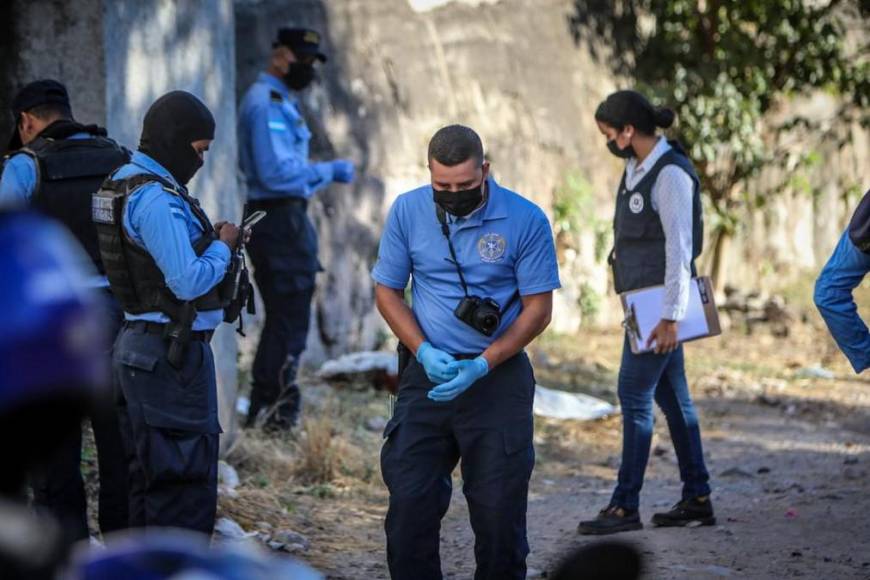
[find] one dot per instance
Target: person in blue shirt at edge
(165, 262)
(273, 150)
(55, 165)
(844, 271)
(658, 234)
(483, 268)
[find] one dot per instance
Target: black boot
(284, 414)
(253, 411)
(697, 509)
(611, 520)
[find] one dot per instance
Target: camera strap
(442, 219)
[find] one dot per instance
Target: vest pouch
(107, 207)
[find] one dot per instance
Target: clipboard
(643, 309)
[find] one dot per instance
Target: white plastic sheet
(563, 405)
(360, 362)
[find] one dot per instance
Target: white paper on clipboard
(646, 306)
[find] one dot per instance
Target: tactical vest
(134, 277)
(638, 257)
(68, 172)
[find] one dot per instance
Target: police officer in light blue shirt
(55, 166)
(274, 156)
(165, 261)
(483, 270)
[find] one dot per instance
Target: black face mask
(172, 123)
(621, 153)
(459, 203)
(299, 75)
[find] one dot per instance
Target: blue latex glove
(436, 363)
(469, 372)
(343, 171)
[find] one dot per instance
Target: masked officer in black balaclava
(273, 152)
(165, 261)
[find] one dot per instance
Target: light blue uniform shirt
(845, 269)
(273, 144)
(505, 246)
(163, 224)
(18, 184)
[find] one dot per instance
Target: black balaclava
(172, 123)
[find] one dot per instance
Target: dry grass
(318, 450)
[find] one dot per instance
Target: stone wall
(400, 69)
(116, 57)
(49, 39)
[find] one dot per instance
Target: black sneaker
(611, 520)
(687, 511)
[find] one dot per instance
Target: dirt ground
(788, 452)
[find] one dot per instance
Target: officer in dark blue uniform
(57, 165)
(273, 149)
(483, 269)
(165, 262)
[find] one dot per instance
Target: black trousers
(283, 251)
(58, 488)
(169, 425)
(489, 428)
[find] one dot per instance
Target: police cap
(302, 41)
(42, 92)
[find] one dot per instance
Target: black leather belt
(465, 356)
(267, 204)
(159, 329)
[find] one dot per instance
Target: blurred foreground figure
(59, 165)
(601, 561)
(844, 271)
(52, 371)
(176, 554)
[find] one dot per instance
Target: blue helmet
(166, 553)
(52, 343)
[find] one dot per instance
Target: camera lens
(489, 322)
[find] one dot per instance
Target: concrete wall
(347, 217)
(49, 39)
(155, 46)
(116, 57)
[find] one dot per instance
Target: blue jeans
(642, 378)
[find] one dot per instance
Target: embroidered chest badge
(491, 247)
(635, 203)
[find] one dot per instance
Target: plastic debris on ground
(359, 362)
(556, 404)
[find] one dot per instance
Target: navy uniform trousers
(283, 251)
(170, 428)
(58, 487)
(489, 427)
